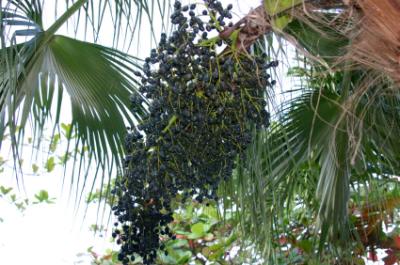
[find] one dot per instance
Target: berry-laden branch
(204, 106)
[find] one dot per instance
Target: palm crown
(339, 134)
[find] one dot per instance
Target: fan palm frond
(38, 73)
(346, 134)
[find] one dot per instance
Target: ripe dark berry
(177, 5)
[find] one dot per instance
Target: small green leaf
(54, 143)
(184, 256)
(217, 255)
(182, 232)
(194, 236)
(43, 197)
(178, 243)
(5, 190)
(50, 164)
(211, 212)
(281, 22)
(35, 168)
(20, 206)
(234, 38)
(114, 257)
(66, 129)
(199, 230)
(209, 42)
(209, 237)
(171, 122)
(188, 213)
(167, 259)
(215, 247)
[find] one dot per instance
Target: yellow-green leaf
(35, 168)
(50, 164)
(54, 143)
(274, 7)
(281, 22)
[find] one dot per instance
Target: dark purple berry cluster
(203, 105)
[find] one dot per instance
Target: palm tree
(339, 135)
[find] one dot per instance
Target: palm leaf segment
(35, 74)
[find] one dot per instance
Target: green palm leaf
(347, 133)
(272, 176)
(99, 81)
(314, 128)
(38, 73)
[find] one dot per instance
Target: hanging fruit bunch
(203, 105)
